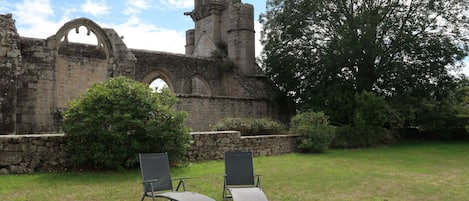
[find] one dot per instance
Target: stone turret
(225, 26)
(10, 64)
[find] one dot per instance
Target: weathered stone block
(4, 171)
(13, 53)
(9, 158)
(13, 148)
(42, 149)
(3, 51)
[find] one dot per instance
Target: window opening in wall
(81, 42)
(158, 84)
(83, 36)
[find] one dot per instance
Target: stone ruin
(217, 77)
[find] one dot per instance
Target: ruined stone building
(216, 78)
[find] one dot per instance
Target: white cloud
(30, 10)
(140, 35)
(135, 6)
(140, 4)
(95, 8)
(33, 18)
(257, 37)
(178, 4)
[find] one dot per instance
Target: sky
(144, 24)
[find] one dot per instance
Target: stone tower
(223, 27)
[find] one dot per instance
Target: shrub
(315, 132)
(367, 127)
(115, 120)
(349, 136)
(250, 126)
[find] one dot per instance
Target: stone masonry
(21, 154)
(216, 78)
(10, 65)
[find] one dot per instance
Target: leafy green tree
(463, 106)
(322, 52)
(115, 120)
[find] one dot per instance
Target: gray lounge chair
(157, 182)
(240, 184)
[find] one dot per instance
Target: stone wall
(21, 154)
(204, 112)
(10, 65)
(38, 77)
(212, 145)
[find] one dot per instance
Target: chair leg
(143, 197)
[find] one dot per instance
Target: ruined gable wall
(56, 72)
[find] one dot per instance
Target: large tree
(322, 52)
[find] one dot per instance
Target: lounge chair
(240, 184)
(157, 182)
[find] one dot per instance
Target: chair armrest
(151, 180)
(151, 186)
(180, 178)
(181, 182)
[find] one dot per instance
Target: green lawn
(406, 171)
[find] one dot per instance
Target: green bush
(115, 120)
(367, 128)
(250, 126)
(315, 132)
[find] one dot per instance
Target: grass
(405, 171)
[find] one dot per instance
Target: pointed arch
(104, 43)
(159, 74)
(196, 84)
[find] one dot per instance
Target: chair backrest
(155, 166)
(239, 168)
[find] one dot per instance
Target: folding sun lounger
(239, 182)
(157, 182)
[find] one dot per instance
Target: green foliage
(321, 53)
(250, 126)
(315, 132)
(369, 117)
(115, 120)
(463, 109)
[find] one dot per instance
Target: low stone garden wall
(212, 145)
(32, 153)
(21, 154)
